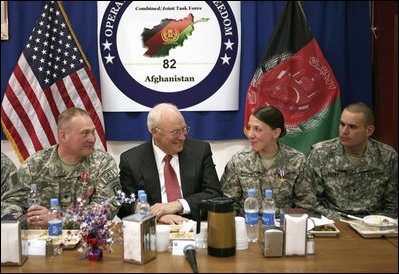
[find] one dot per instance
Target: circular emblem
(170, 36)
(178, 52)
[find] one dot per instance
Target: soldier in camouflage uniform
(268, 164)
(7, 168)
(354, 174)
(57, 172)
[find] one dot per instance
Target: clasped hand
(166, 213)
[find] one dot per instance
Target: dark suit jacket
(199, 179)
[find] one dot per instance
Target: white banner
(183, 52)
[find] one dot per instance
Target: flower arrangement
(94, 227)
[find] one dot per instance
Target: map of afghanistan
(168, 35)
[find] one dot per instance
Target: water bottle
(33, 196)
(138, 201)
(143, 207)
(268, 209)
(54, 219)
(268, 214)
(251, 209)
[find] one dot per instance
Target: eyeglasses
(177, 132)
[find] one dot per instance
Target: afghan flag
(294, 77)
(167, 35)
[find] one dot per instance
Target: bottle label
(282, 218)
(251, 218)
(55, 228)
(32, 203)
(268, 218)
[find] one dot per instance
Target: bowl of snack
(328, 230)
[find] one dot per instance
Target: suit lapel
(187, 169)
(150, 175)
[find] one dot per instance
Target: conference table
(347, 252)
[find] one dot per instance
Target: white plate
(69, 238)
(181, 236)
(368, 231)
(379, 220)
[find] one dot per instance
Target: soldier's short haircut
(369, 118)
(68, 114)
(271, 116)
(155, 115)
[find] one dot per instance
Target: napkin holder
(295, 234)
(273, 242)
(139, 238)
(12, 232)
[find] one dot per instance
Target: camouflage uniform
(245, 170)
(7, 168)
(340, 187)
(44, 169)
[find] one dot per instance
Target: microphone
(189, 252)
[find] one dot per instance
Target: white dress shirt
(159, 159)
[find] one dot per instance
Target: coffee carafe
(221, 226)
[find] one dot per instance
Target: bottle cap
(251, 192)
(143, 196)
(269, 192)
(140, 192)
(33, 187)
(54, 201)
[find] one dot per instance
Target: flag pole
(299, 3)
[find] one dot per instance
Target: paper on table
(318, 222)
(35, 247)
(178, 246)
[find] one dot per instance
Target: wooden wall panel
(385, 70)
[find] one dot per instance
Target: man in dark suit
(145, 167)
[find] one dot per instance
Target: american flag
(52, 74)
